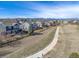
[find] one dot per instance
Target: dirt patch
(68, 42)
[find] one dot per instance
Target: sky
(39, 9)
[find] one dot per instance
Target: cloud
(44, 10)
(56, 11)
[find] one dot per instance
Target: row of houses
(24, 26)
(10, 32)
(70, 21)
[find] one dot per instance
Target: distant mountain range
(42, 19)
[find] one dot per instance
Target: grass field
(26, 51)
(68, 43)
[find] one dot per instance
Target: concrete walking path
(48, 48)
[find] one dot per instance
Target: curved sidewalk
(48, 48)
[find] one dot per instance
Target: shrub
(74, 55)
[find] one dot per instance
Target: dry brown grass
(26, 51)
